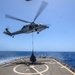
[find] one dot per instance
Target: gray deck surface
(42, 67)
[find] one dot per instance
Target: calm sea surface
(66, 57)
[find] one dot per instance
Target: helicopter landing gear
(37, 32)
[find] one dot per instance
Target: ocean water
(66, 57)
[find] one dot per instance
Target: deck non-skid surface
(46, 67)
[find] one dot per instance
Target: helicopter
(31, 27)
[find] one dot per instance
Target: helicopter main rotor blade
(11, 17)
(42, 7)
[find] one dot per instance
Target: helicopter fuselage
(34, 28)
(27, 29)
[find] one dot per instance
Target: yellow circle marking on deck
(37, 72)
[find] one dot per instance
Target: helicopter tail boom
(7, 32)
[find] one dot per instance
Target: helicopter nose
(47, 26)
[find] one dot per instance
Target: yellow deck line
(36, 70)
(65, 67)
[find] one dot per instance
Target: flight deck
(43, 66)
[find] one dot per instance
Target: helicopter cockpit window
(23, 27)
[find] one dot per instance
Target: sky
(59, 14)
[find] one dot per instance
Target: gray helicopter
(31, 27)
